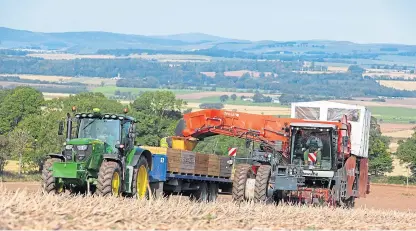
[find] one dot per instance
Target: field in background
(401, 85)
(67, 79)
(161, 58)
(249, 109)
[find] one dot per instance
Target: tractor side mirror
(132, 131)
(345, 140)
(61, 128)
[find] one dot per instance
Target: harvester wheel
(242, 173)
(141, 179)
(262, 184)
(49, 183)
(109, 179)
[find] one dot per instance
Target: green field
(394, 114)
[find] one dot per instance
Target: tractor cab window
(125, 131)
(312, 145)
(102, 129)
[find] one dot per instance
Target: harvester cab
(99, 156)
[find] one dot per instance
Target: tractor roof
(97, 114)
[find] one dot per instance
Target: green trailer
(99, 157)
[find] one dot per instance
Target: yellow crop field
(30, 210)
(249, 109)
(401, 85)
(56, 78)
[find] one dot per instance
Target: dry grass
(249, 109)
(401, 85)
(24, 210)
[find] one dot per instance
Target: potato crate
(201, 164)
(225, 168)
(174, 160)
(187, 162)
(213, 165)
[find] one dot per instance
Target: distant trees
(233, 97)
(406, 152)
(224, 98)
(380, 160)
(260, 98)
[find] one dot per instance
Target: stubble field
(22, 208)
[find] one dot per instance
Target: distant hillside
(199, 38)
(92, 41)
(88, 41)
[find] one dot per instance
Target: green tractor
(99, 157)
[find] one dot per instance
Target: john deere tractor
(99, 156)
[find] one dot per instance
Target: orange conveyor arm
(255, 127)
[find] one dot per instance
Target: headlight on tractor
(81, 156)
(68, 156)
(82, 147)
(68, 147)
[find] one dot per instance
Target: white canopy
(358, 116)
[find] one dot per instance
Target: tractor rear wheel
(49, 183)
(262, 184)
(242, 173)
(141, 179)
(109, 179)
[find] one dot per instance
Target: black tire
(157, 190)
(348, 203)
(106, 176)
(212, 192)
(202, 194)
(242, 172)
(262, 184)
(48, 181)
(142, 162)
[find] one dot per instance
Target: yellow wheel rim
(60, 187)
(115, 184)
(142, 181)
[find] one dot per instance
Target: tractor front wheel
(49, 183)
(141, 179)
(109, 179)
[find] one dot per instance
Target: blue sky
(365, 21)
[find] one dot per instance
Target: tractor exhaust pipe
(68, 126)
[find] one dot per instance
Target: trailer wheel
(201, 194)
(242, 173)
(212, 192)
(157, 190)
(262, 183)
(49, 183)
(141, 179)
(109, 179)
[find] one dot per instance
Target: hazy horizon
(370, 21)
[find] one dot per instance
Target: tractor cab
(312, 145)
(103, 133)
